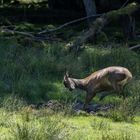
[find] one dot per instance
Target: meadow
(33, 72)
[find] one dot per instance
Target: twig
(134, 47)
(38, 37)
(76, 20)
(124, 4)
(17, 32)
(31, 36)
(99, 23)
(68, 23)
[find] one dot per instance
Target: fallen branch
(100, 22)
(29, 35)
(37, 37)
(68, 23)
(135, 47)
(17, 32)
(94, 29)
(75, 21)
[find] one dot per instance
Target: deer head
(68, 82)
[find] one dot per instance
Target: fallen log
(99, 23)
(134, 47)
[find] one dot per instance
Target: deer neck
(79, 83)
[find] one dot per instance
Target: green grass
(33, 72)
(28, 124)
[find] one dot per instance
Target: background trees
(58, 11)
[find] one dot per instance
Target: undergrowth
(35, 71)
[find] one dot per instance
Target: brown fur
(110, 78)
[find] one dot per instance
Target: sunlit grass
(29, 1)
(43, 125)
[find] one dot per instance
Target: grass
(33, 73)
(43, 124)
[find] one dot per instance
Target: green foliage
(35, 71)
(124, 135)
(97, 58)
(30, 124)
(123, 11)
(11, 103)
(100, 125)
(102, 38)
(47, 128)
(126, 110)
(29, 1)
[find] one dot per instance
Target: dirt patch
(77, 107)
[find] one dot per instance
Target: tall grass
(45, 128)
(12, 103)
(35, 71)
(124, 135)
(126, 109)
(30, 124)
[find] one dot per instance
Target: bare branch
(100, 22)
(29, 35)
(17, 32)
(135, 47)
(68, 23)
(76, 20)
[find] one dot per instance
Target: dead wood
(29, 35)
(100, 22)
(135, 47)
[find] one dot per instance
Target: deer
(113, 78)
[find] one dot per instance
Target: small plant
(12, 103)
(100, 125)
(23, 131)
(40, 128)
(116, 136)
(126, 111)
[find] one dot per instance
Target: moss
(123, 11)
(102, 38)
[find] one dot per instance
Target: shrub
(47, 128)
(126, 110)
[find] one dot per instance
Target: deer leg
(89, 97)
(115, 86)
(122, 92)
(104, 95)
(118, 88)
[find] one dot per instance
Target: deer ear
(67, 74)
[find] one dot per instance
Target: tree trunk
(90, 9)
(50, 3)
(100, 22)
(129, 27)
(1, 2)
